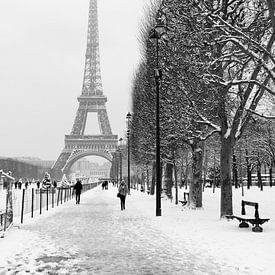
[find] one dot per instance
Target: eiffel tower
(78, 145)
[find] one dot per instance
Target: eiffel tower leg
(79, 125)
(84, 122)
(56, 170)
(104, 123)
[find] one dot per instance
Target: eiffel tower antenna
(78, 145)
(92, 84)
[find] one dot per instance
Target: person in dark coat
(123, 191)
(78, 188)
(54, 184)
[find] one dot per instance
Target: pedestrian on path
(78, 188)
(123, 191)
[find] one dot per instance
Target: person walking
(122, 193)
(78, 188)
(20, 183)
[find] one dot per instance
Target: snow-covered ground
(95, 237)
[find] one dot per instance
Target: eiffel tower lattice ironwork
(78, 145)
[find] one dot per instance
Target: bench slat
(248, 219)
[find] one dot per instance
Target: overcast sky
(42, 55)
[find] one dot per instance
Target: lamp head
(128, 116)
(159, 29)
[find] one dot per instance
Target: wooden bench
(256, 221)
(185, 198)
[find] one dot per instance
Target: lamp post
(116, 168)
(120, 159)
(128, 117)
(156, 34)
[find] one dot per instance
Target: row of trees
(217, 62)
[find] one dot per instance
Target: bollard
(53, 191)
(47, 199)
(22, 210)
(32, 200)
(40, 201)
(61, 195)
(58, 194)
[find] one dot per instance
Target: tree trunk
(259, 176)
(153, 183)
(168, 180)
(195, 190)
(226, 185)
(248, 167)
(270, 175)
(241, 169)
(176, 182)
(205, 168)
(214, 172)
(147, 177)
(186, 170)
(249, 176)
(181, 172)
(235, 171)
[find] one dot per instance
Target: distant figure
(15, 184)
(54, 184)
(122, 191)
(20, 183)
(78, 188)
(106, 185)
(26, 184)
(38, 184)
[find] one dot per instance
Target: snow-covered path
(95, 237)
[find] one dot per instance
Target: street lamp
(156, 34)
(120, 159)
(128, 117)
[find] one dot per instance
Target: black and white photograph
(137, 137)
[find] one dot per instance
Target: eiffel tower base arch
(77, 147)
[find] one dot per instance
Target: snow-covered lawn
(201, 232)
(204, 230)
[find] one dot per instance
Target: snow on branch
(242, 35)
(251, 81)
(260, 115)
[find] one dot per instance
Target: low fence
(36, 201)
